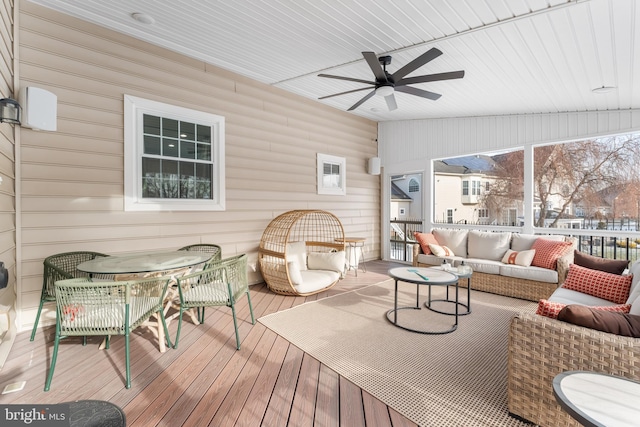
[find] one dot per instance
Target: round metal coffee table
(420, 277)
(461, 275)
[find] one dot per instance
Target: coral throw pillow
(612, 287)
(523, 258)
(551, 309)
(425, 239)
(548, 252)
(438, 250)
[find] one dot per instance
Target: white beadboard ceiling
(519, 56)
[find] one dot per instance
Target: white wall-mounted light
(10, 111)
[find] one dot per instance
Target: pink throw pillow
(551, 309)
(424, 239)
(612, 287)
(548, 252)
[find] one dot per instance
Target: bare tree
(507, 189)
(570, 173)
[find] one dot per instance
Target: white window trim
(133, 107)
(335, 191)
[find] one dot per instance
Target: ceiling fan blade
(429, 55)
(344, 93)
(391, 102)
(375, 66)
(359, 103)
(431, 78)
(349, 79)
(418, 92)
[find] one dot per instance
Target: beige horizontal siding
(7, 172)
(72, 179)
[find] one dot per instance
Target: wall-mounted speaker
(39, 109)
(374, 166)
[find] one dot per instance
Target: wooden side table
(353, 245)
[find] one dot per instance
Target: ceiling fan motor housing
(385, 60)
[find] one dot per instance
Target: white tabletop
(432, 276)
(596, 399)
(144, 262)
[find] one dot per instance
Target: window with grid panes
(176, 158)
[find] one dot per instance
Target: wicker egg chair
(317, 228)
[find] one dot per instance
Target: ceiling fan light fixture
(384, 90)
(603, 89)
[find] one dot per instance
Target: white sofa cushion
(634, 292)
(456, 240)
(532, 273)
(294, 273)
(332, 261)
(297, 252)
(523, 242)
(488, 245)
(312, 280)
(635, 306)
(567, 296)
(483, 265)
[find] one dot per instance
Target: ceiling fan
(386, 84)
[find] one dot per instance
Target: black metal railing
(401, 238)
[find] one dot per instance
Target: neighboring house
(406, 197)
(460, 184)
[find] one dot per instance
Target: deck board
(205, 381)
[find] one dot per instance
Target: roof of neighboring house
(397, 193)
(465, 165)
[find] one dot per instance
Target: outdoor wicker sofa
(541, 348)
(490, 274)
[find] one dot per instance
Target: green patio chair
(106, 308)
(209, 248)
(59, 267)
(221, 284)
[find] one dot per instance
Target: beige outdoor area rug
(457, 379)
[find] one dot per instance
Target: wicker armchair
(105, 308)
(540, 348)
(59, 267)
(221, 284)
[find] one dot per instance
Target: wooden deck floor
(205, 381)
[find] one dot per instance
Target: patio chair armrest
(540, 348)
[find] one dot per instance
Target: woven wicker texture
(209, 248)
(59, 267)
(105, 308)
(540, 348)
(457, 379)
(221, 284)
(531, 290)
(319, 229)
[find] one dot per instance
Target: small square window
(331, 175)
